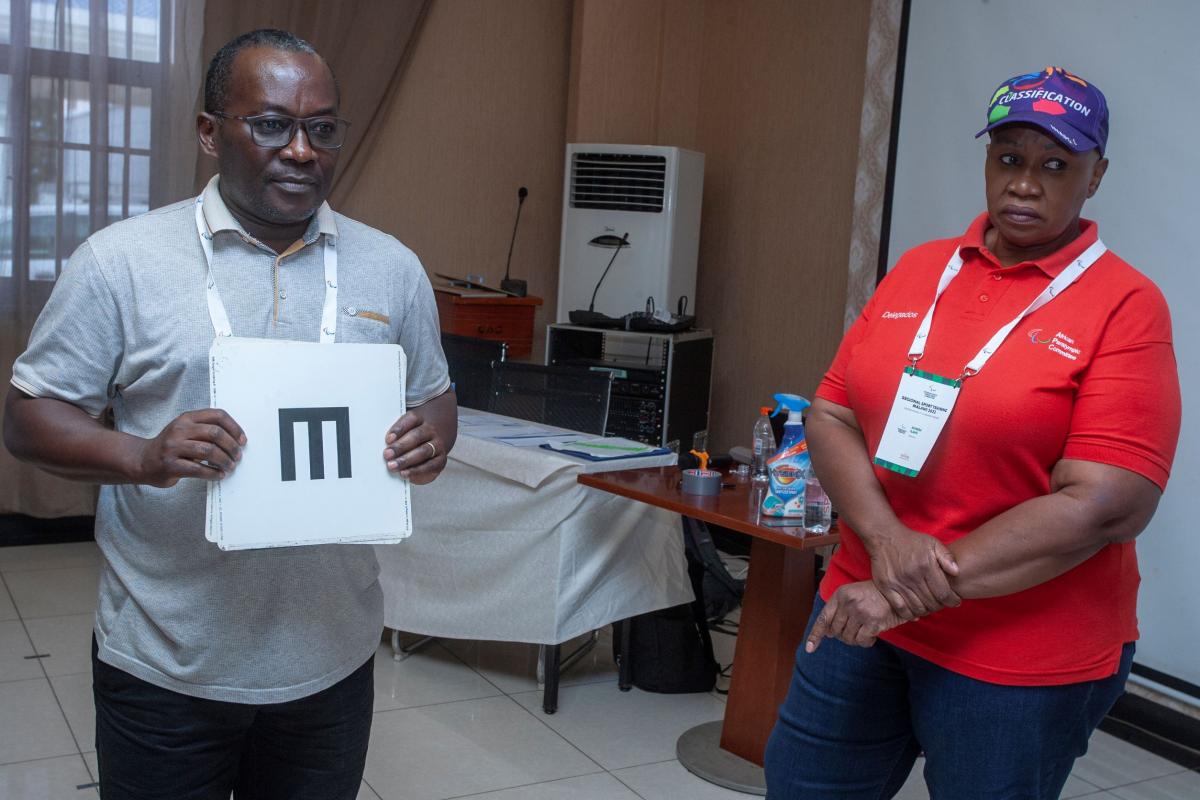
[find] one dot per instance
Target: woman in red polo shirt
(993, 456)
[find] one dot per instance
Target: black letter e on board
(288, 417)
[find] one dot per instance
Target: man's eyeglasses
(277, 130)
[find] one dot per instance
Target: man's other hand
(414, 448)
(205, 444)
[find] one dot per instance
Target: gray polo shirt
(127, 325)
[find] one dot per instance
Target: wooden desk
(775, 610)
(499, 318)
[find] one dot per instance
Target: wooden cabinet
(496, 317)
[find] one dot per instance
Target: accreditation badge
(923, 404)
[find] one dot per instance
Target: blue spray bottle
(786, 468)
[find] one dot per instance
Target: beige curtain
(95, 121)
(875, 130)
(366, 42)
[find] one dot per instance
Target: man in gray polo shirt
(246, 671)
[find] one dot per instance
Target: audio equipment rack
(661, 381)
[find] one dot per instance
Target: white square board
(341, 398)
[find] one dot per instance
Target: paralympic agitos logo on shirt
(1059, 343)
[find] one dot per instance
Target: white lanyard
(216, 309)
(924, 401)
(1055, 288)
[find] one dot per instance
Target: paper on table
(497, 430)
(604, 447)
(493, 426)
(537, 440)
(511, 431)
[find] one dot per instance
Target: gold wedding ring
(432, 449)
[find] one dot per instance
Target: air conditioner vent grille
(618, 181)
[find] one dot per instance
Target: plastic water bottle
(818, 511)
(763, 446)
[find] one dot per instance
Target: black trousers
(153, 743)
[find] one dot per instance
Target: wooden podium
(489, 316)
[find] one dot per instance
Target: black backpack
(670, 651)
(722, 591)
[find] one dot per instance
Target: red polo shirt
(1090, 376)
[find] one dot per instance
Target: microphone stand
(518, 287)
(592, 317)
(623, 243)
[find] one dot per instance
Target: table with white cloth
(508, 546)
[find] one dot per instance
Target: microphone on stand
(593, 318)
(616, 244)
(515, 285)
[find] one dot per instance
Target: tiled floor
(455, 720)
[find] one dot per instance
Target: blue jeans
(855, 720)
(154, 744)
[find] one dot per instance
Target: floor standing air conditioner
(650, 193)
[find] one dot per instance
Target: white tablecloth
(507, 546)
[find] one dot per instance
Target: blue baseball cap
(1063, 105)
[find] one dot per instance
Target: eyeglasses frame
(301, 121)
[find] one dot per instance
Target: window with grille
(81, 86)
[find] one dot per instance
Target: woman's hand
(912, 571)
(856, 614)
